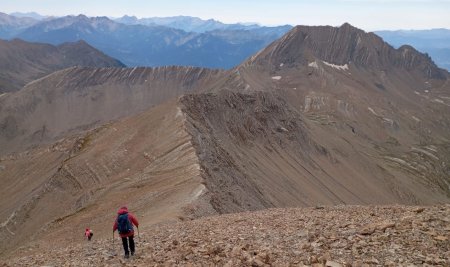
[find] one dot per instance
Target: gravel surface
(316, 236)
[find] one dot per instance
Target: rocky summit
(317, 236)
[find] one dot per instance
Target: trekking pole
(113, 238)
(139, 237)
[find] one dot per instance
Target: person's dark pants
(125, 245)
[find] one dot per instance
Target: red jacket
(87, 233)
(124, 210)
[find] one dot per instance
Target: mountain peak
(344, 45)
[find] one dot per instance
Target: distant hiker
(124, 224)
(88, 234)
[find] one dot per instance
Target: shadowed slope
(257, 152)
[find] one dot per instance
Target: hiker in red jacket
(88, 234)
(124, 224)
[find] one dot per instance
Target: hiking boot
(132, 253)
(127, 256)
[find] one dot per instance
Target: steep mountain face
(345, 45)
(435, 42)
(77, 98)
(154, 45)
(22, 62)
(376, 117)
(257, 151)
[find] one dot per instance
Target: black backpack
(123, 224)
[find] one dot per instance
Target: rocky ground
(317, 236)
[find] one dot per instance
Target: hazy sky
(365, 14)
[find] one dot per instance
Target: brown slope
(146, 161)
(22, 62)
(75, 99)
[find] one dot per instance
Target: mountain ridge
(103, 93)
(347, 44)
(22, 62)
(186, 23)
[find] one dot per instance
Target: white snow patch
(198, 191)
(427, 91)
(282, 64)
(417, 93)
(390, 121)
(307, 103)
(416, 119)
(373, 111)
(179, 113)
(401, 162)
(313, 65)
(338, 67)
(5, 223)
(295, 88)
(2, 94)
(437, 100)
(424, 152)
(131, 72)
(432, 148)
(276, 78)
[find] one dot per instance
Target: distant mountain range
(184, 40)
(10, 26)
(435, 42)
(150, 45)
(186, 23)
(33, 15)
